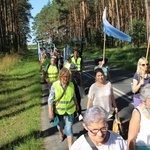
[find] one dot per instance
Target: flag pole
(148, 48)
(104, 46)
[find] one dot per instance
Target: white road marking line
(119, 93)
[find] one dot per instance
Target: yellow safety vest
(52, 73)
(66, 105)
(77, 63)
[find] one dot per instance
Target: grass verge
(20, 99)
(126, 57)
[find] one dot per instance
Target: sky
(37, 6)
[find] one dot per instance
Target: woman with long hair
(140, 79)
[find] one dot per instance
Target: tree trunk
(147, 6)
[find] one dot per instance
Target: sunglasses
(144, 64)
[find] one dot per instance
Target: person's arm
(134, 128)
(45, 72)
(137, 83)
(89, 103)
(82, 64)
(114, 101)
(90, 97)
(102, 63)
(50, 102)
(75, 100)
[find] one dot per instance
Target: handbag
(117, 126)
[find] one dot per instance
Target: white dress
(102, 96)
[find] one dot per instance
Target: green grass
(20, 99)
(31, 47)
(20, 93)
(126, 57)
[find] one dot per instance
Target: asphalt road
(120, 79)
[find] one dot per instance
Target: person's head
(41, 49)
(142, 65)
(53, 61)
(95, 122)
(52, 48)
(145, 94)
(101, 61)
(58, 54)
(64, 76)
(76, 53)
(68, 59)
(44, 55)
(99, 75)
(48, 55)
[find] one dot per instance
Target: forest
(63, 21)
(69, 21)
(14, 25)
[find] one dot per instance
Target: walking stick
(104, 47)
(148, 48)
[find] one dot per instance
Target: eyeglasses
(65, 76)
(144, 64)
(95, 131)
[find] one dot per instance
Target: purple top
(146, 80)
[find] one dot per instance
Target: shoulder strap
(56, 101)
(90, 142)
(138, 111)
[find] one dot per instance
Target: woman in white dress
(101, 93)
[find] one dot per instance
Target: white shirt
(115, 142)
(101, 96)
(143, 137)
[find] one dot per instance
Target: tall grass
(7, 62)
(20, 102)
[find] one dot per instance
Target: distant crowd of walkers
(64, 79)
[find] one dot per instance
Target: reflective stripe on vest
(66, 104)
(77, 63)
(52, 73)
